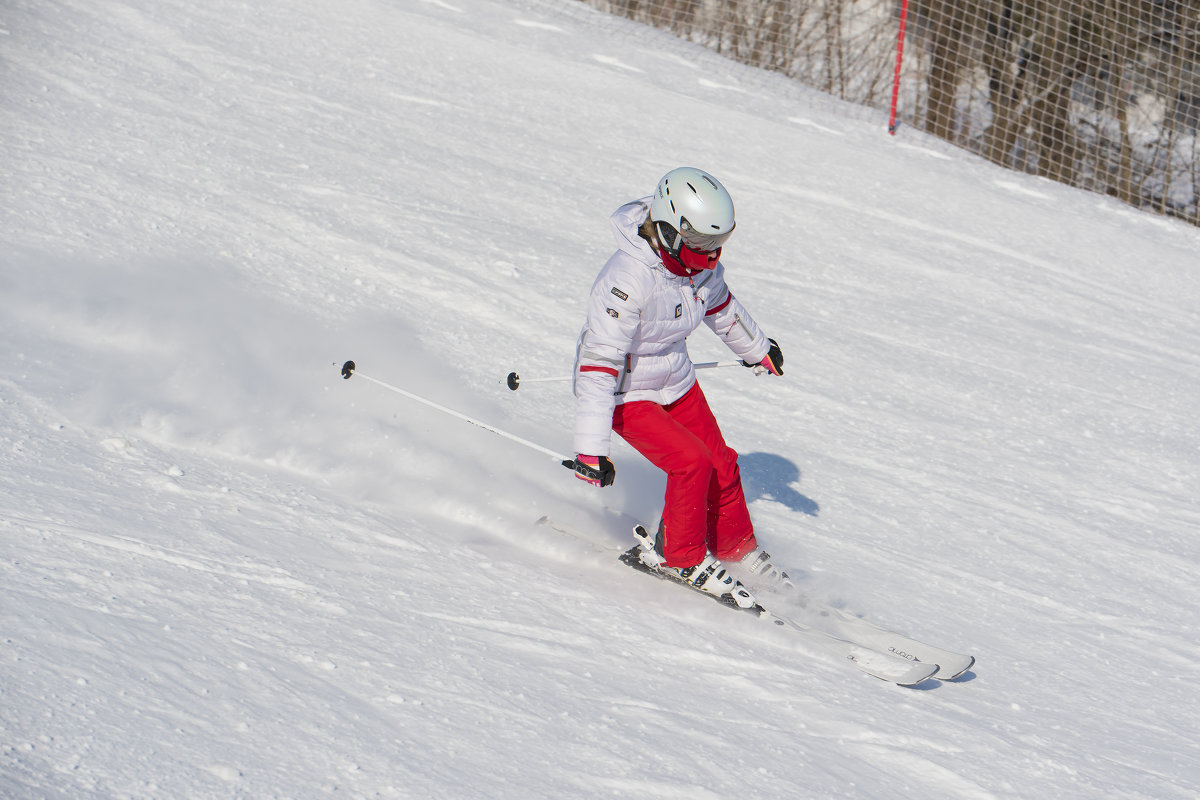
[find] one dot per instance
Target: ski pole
(348, 369)
(514, 380)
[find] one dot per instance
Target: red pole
(899, 61)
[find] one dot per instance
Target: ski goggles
(694, 240)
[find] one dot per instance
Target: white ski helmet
(691, 207)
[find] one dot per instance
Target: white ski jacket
(633, 345)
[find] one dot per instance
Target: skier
(633, 375)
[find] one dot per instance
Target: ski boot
(710, 575)
(763, 573)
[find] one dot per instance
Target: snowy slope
(226, 572)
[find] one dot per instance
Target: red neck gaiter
(688, 262)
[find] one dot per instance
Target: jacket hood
(625, 222)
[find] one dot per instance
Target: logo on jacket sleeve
(619, 293)
(612, 313)
(679, 311)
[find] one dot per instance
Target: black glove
(773, 363)
(596, 470)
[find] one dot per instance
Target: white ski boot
(762, 572)
(710, 575)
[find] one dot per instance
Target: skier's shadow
(765, 475)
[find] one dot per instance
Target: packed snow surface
(227, 572)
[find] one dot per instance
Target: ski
(951, 664)
(846, 630)
(882, 665)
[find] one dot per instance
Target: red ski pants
(705, 507)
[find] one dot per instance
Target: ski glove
(596, 470)
(773, 363)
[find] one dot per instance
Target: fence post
(899, 62)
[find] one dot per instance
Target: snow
(227, 572)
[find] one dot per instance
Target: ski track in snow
(226, 572)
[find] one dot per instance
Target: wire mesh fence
(1099, 94)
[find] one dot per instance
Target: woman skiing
(633, 375)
